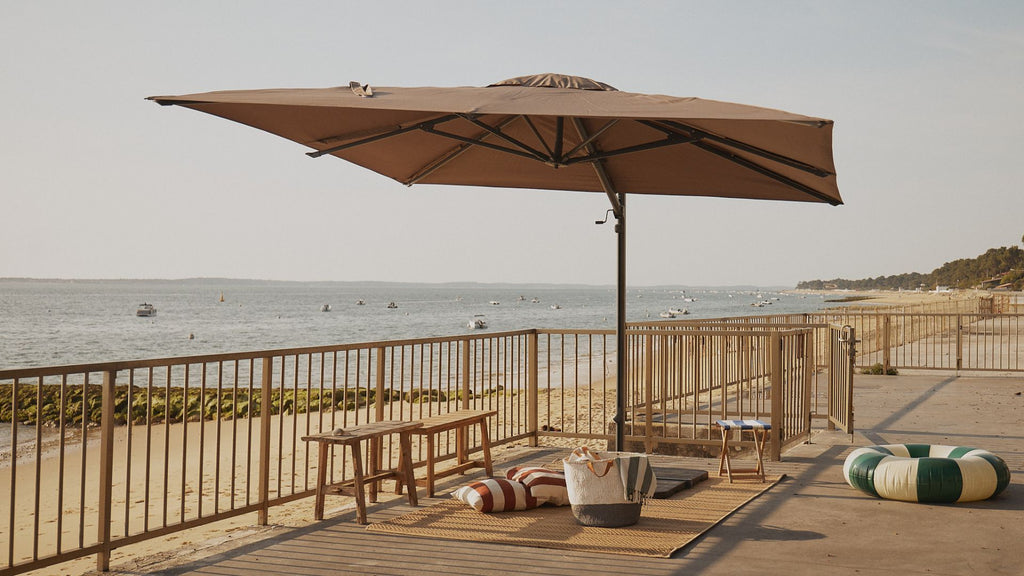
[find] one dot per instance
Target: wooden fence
(108, 454)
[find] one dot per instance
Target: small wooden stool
(460, 421)
(353, 437)
(759, 429)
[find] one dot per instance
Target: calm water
(69, 322)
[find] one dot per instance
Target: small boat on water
(145, 310)
(678, 311)
(325, 308)
(535, 301)
(477, 323)
(668, 314)
(392, 305)
(360, 302)
(495, 303)
(556, 307)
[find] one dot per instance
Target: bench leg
(321, 481)
(374, 458)
(405, 472)
(485, 445)
(430, 466)
(357, 482)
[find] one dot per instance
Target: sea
(56, 322)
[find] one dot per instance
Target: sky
(96, 182)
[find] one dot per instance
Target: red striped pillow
(496, 495)
(547, 486)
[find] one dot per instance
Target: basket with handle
(607, 489)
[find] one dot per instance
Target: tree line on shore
(997, 266)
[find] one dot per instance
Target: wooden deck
(812, 523)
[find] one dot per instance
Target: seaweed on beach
(78, 404)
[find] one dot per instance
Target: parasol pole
(620, 327)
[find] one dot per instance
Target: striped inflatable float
(926, 473)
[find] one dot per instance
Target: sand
(586, 409)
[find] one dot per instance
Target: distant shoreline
(454, 283)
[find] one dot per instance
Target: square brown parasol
(554, 132)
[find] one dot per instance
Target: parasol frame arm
(374, 138)
(451, 155)
(602, 174)
(800, 187)
(532, 155)
(536, 133)
(588, 140)
(767, 154)
(496, 130)
(669, 140)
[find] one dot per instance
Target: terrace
(199, 452)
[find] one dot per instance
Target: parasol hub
(556, 81)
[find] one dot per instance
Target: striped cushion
(496, 495)
(547, 486)
(744, 424)
(926, 473)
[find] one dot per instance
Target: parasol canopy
(552, 132)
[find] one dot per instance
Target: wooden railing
(138, 450)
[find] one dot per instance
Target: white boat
(556, 307)
(360, 302)
(535, 301)
(145, 310)
(325, 308)
(668, 314)
(495, 303)
(477, 323)
(678, 311)
(392, 305)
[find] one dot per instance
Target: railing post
(106, 469)
(379, 393)
(775, 360)
(532, 416)
(465, 374)
(810, 379)
(959, 343)
(648, 394)
(264, 481)
(886, 343)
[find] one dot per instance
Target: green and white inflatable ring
(926, 473)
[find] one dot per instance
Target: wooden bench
(353, 437)
(759, 429)
(460, 421)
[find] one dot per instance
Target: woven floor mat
(665, 525)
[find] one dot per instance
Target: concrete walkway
(811, 523)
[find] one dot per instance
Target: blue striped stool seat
(743, 424)
(759, 428)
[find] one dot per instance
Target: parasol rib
(497, 132)
(399, 131)
(670, 140)
(702, 134)
(451, 155)
(766, 172)
(480, 142)
(540, 138)
(592, 137)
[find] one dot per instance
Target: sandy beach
(153, 486)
